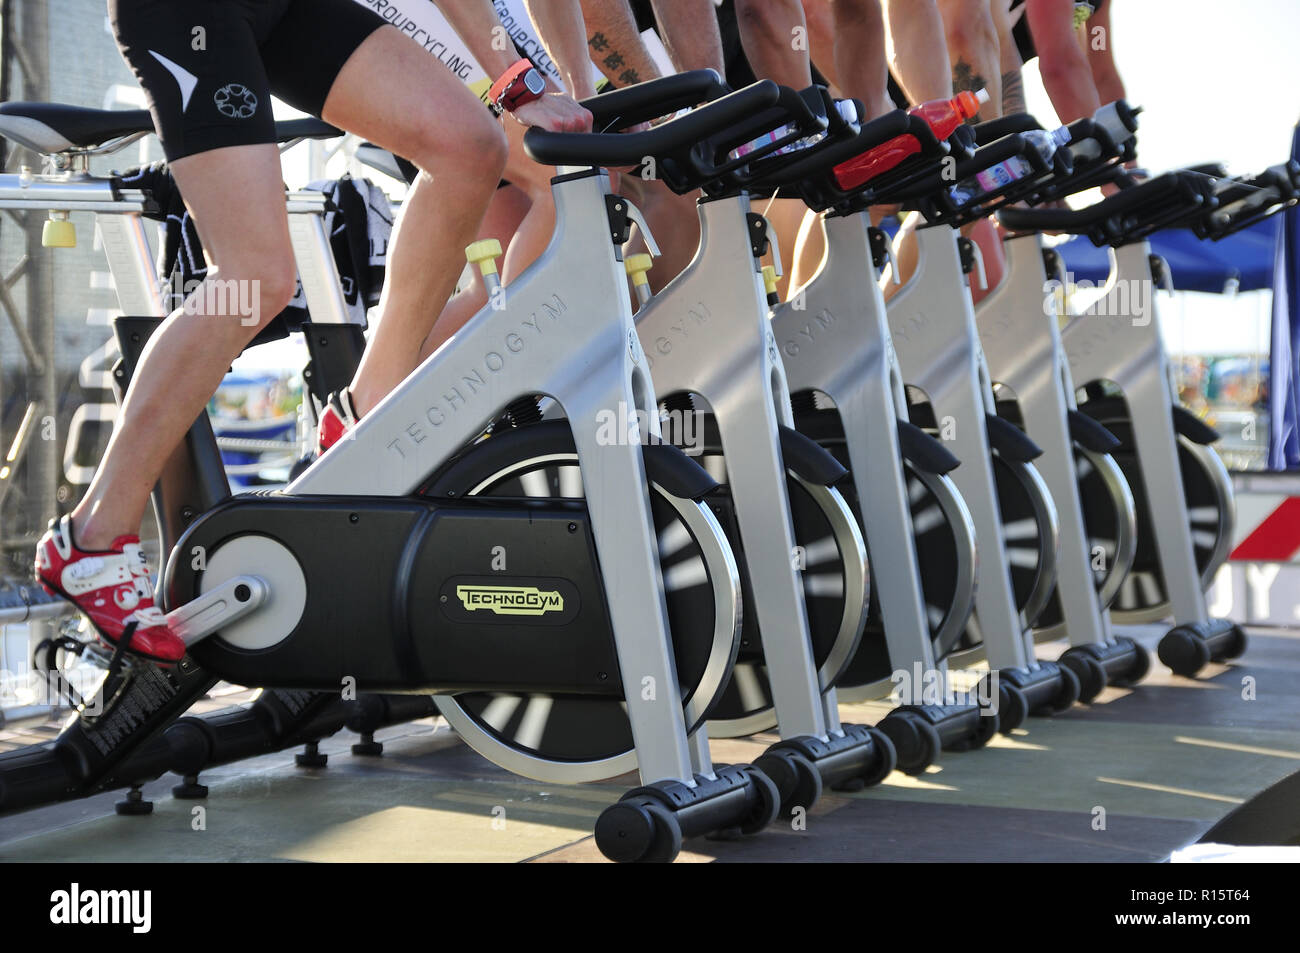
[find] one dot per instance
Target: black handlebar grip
(596, 148)
(633, 105)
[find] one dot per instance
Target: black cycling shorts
(209, 67)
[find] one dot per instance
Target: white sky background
(1217, 79)
(1217, 82)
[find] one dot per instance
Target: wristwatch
(520, 84)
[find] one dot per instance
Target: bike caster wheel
(796, 778)
(768, 806)
(1067, 694)
(885, 763)
(1184, 653)
(1138, 670)
(1088, 671)
(1013, 707)
(1236, 649)
(638, 833)
(916, 742)
(881, 767)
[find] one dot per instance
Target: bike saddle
(55, 127)
(50, 128)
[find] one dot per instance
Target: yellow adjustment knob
(484, 254)
(59, 232)
(769, 278)
(636, 266)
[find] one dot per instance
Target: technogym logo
(510, 600)
(76, 906)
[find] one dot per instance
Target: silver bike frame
(1118, 339)
(933, 325)
(833, 338)
(708, 334)
(571, 339)
(1018, 330)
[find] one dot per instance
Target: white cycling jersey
(423, 22)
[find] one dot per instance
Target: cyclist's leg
(236, 197)
(427, 115)
(522, 239)
(507, 210)
(973, 50)
(212, 110)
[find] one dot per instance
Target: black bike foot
(647, 824)
(915, 739)
(1049, 688)
(1121, 662)
(797, 780)
(1188, 648)
(368, 747)
(311, 757)
(135, 805)
(190, 789)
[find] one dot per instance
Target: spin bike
(1117, 358)
(1019, 333)
(458, 588)
(841, 364)
(937, 342)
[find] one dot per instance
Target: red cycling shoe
(112, 588)
(336, 419)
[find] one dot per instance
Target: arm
(1101, 56)
(1013, 83)
(689, 29)
(767, 33)
(1061, 62)
(562, 30)
(476, 22)
(918, 56)
(614, 43)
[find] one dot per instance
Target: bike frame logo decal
(510, 600)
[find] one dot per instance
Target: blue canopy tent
(1195, 265)
(1284, 377)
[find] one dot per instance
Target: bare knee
(473, 151)
(768, 19)
(250, 289)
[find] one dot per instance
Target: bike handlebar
(675, 136)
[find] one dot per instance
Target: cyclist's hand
(554, 112)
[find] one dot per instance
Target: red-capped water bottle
(943, 116)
